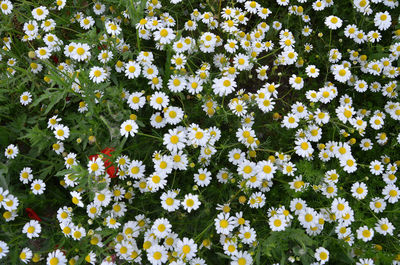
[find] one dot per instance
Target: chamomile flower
(359, 190)
(159, 100)
(60, 4)
(384, 227)
(56, 257)
(26, 255)
(157, 255)
(136, 169)
(223, 86)
(391, 193)
(333, 22)
(38, 187)
(341, 73)
(40, 13)
(191, 202)
(113, 28)
(87, 22)
(25, 98)
(61, 132)
(32, 229)
(321, 255)
(164, 35)
(132, 69)
(303, 148)
(247, 235)
(202, 178)
(136, 100)
(97, 74)
(312, 71)
(25, 176)
(70, 160)
(243, 257)
(383, 20)
(96, 166)
(76, 198)
(129, 127)
(81, 52)
(364, 233)
(169, 201)
(6, 7)
(11, 151)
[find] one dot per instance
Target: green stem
(149, 135)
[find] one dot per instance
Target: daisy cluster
(229, 122)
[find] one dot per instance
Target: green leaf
(39, 139)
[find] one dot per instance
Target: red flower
(31, 214)
(54, 58)
(110, 169)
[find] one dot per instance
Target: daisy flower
(6, 8)
(333, 22)
(96, 166)
(277, 222)
(321, 255)
(159, 100)
(359, 190)
(223, 86)
(87, 22)
(70, 160)
(97, 74)
(25, 176)
(25, 98)
(382, 20)
(112, 27)
(169, 201)
(40, 13)
(38, 187)
(384, 227)
(56, 257)
(243, 257)
(11, 151)
(391, 193)
(132, 69)
(191, 202)
(341, 73)
(32, 229)
(129, 127)
(61, 132)
(157, 255)
(164, 35)
(76, 198)
(25, 255)
(364, 233)
(81, 52)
